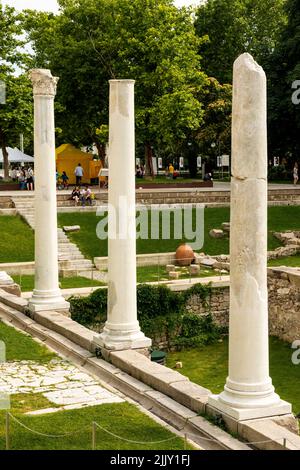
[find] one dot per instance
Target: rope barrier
(187, 435)
(55, 436)
(135, 442)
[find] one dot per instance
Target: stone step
(66, 251)
(75, 265)
(70, 256)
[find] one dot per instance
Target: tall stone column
(122, 330)
(46, 294)
(249, 392)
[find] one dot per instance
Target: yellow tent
(67, 159)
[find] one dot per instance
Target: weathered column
(122, 330)
(249, 392)
(46, 294)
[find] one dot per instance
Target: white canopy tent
(16, 156)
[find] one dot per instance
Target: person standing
(79, 174)
(295, 174)
(30, 179)
(65, 179)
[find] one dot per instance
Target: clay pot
(184, 255)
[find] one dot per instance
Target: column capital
(43, 82)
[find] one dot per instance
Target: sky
(51, 5)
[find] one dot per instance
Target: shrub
(161, 313)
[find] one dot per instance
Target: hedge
(161, 312)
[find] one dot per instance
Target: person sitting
(86, 196)
(138, 173)
(208, 177)
(75, 196)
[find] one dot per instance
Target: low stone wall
(218, 305)
(284, 304)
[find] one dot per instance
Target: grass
(164, 180)
(291, 261)
(123, 419)
(207, 366)
(16, 233)
(26, 282)
(21, 347)
(159, 273)
(280, 219)
(17, 240)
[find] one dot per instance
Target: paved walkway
(59, 381)
(218, 186)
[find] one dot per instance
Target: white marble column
(122, 330)
(46, 294)
(249, 392)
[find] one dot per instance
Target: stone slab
(217, 433)
(268, 435)
(242, 414)
(191, 395)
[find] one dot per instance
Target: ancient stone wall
(284, 304)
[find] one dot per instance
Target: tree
(236, 26)
(217, 120)
(151, 41)
(16, 115)
(16, 110)
(284, 74)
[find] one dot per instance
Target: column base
(116, 340)
(44, 301)
(254, 410)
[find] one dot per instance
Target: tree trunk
(101, 149)
(5, 155)
(148, 161)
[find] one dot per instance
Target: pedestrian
(29, 179)
(65, 179)
(295, 174)
(79, 174)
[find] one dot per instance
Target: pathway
(62, 383)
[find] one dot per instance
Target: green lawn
(17, 240)
(207, 366)
(159, 273)
(291, 261)
(15, 233)
(280, 219)
(163, 180)
(123, 419)
(26, 282)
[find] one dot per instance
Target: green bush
(161, 313)
(279, 173)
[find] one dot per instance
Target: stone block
(191, 395)
(226, 226)
(209, 262)
(170, 268)
(216, 233)
(174, 274)
(194, 269)
(13, 289)
(72, 228)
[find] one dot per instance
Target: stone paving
(59, 381)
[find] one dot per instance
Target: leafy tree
(16, 111)
(284, 71)
(234, 27)
(217, 120)
(151, 41)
